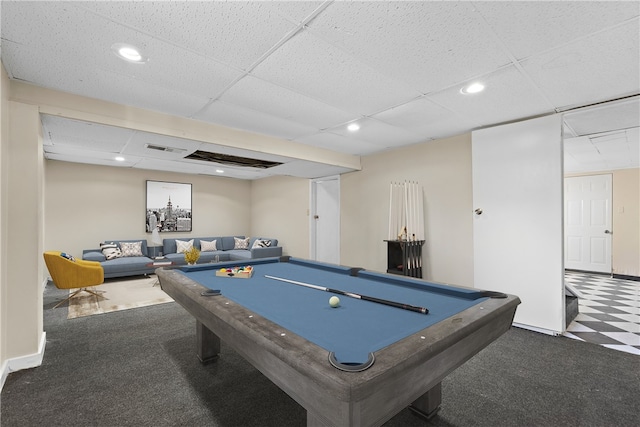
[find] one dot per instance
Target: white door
(517, 229)
(325, 219)
(588, 223)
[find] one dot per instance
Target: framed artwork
(168, 207)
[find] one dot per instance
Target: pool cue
(356, 296)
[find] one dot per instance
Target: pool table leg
(208, 343)
(428, 404)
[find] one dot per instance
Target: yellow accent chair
(69, 273)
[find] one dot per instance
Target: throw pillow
(68, 256)
(261, 244)
(241, 243)
(131, 249)
(183, 246)
(110, 250)
(208, 246)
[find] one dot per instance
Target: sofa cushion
(183, 246)
(238, 254)
(143, 246)
(110, 250)
(94, 256)
(206, 246)
(259, 243)
(127, 264)
(241, 243)
(131, 249)
(227, 243)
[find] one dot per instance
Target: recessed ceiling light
(219, 171)
(120, 159)
(128, 53)
(353, 127)
(472, 88)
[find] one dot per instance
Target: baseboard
(614, 275)
(625, 277)
(4, 373)
(536, 329)
(23, 362)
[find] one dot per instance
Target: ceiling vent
(229, 160)
(165, 149)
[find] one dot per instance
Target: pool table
(357, 364)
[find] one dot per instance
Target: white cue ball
(334, 302)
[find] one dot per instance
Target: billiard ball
(334, 302)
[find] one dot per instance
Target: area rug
(116, 295)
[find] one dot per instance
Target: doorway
(587, 218)
(325, 219)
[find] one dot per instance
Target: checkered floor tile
(609, 311)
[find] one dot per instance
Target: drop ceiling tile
(427, 119)
(527, 28)
(254, 121)
(507, 96)
(413, 41)
(166, 165)
(613, 148)
(578, 145)
(62, 132)
(84, 80)
(601, 67)
(605, 118)
(380, 133)
(235, 33)
(305, 169)
(312, 67)
(55, 54)
(78, 155)
(275, 100)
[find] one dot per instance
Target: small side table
(159, 263)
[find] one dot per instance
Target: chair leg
(73, 294)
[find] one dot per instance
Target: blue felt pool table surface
(356, 327)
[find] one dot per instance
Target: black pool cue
(356, 296)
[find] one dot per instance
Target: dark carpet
(138, 368)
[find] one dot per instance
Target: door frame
(313, 209)
(609, 226)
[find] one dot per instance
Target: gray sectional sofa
(225, 249)
(139, 265)
(122, 266)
